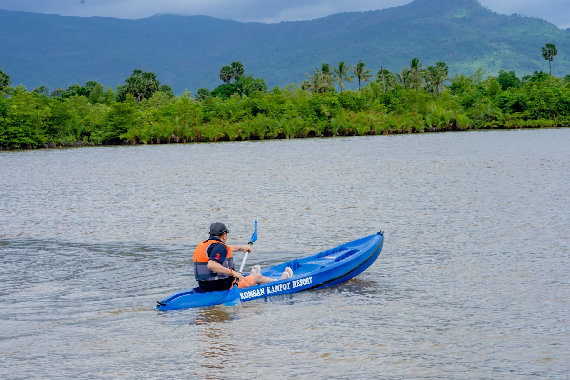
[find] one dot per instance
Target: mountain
(186, 52)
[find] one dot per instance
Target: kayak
(328, 268)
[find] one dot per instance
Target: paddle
(251, 241)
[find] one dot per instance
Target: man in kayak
(214, 263)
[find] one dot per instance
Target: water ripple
(472, 281)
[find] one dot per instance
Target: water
(472, 281)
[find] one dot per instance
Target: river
(473, 280)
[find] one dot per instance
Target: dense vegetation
(417, 99)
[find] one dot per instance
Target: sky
(554, 11)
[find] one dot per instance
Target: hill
(186, 52)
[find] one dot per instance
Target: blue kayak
(327, 268)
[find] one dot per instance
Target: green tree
(90, 87)
(225, 90)
(508, 80)
(4, 80)
(237, 70)
(361, 73)
(57, 93)
(92, 90)
(248, 85)
(342, 72)
(467, 89)
(319, 82)
(97, 94)
(327, 77)
(416, 74)
(41, 90)
(404, 77)
(121, 117)
(436, 76)
(110, 96)
(65, 123)
(538, 76)
(546, 99)
(548, 53)
(76, 89)
(167, 90)
(491, 87)
(202, 93)
(386, 79)
(24, 122)
(226, 74)
(245, 86)
(140, 85)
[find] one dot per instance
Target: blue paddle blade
(254, 236)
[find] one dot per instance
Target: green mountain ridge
(186, 52)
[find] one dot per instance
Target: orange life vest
(201, 271)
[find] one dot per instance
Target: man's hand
(243, 248)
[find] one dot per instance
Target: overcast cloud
(555, 11)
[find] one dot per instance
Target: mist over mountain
(186, 52)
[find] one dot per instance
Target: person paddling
(214, 263)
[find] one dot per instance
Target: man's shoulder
(217, 252)
(217, 248)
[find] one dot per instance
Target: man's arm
(243, 248)
(214, 266)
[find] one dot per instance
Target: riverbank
(82, 144)
(33, 120)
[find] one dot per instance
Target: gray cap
(217, 229)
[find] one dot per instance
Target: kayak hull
(328, 268)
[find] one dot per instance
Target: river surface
(473, 281)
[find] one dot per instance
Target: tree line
(416, 99)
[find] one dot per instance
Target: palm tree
(404, 77)
(362, 73)
(226, 74)
(320, 81)
(387, 79)
(237, 70)
(416, 74)
(202, 93)
(342, 72)
(549, 52)
(151, 83)
(313, 83)
(140, 85)
(436, 75)
(327, 80)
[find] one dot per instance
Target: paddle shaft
(244, 258)
(251, 241)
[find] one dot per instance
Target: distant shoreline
(415, 101)
(79, 144)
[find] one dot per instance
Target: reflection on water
(216, 339)
(472, 281)
(215, 314)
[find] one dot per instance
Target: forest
(415, 100)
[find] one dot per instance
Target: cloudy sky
(555, 11)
